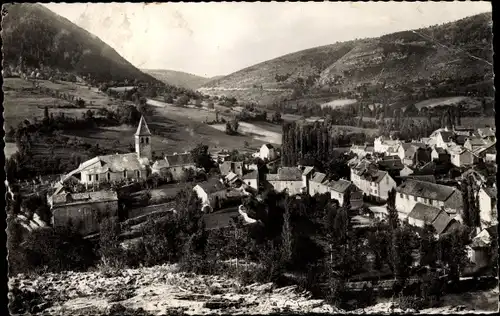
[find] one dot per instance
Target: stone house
(267, 152)
(252, 179)
(371, 181)
(211, 192)
(440, 196)
(84, 211)
(422, 214)
(460, 156)
(287, 179)
(232, 166)
(174, 167)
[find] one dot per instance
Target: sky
(210, 39)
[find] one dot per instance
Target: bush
(110, 251)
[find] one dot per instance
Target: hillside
(451, 59)
(178, 78)
(42, 39)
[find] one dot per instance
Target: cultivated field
(430, 103)
(338, 103)
(23, 101)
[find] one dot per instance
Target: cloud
(219, 38)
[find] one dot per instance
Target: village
(425, 175)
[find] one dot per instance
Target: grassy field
(22, 101)
(441, 101)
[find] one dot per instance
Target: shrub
(110, 251)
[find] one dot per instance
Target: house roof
(424, 213)
(427, 178)
(485, 147)
(441, 222)
(340, 185)
(460, 139)
(318, 177)
(476, 141)
(142, 129)
(251, 175)
(446, 135)
(483, 239)
(84, 198)
(307, 170)
(112, 163)
(179, 159)
(425, 189)
(269, 146)
(211, 186)
(231, 176)
(286, 174)
(440, 150)
(486, 132)
(394, 164)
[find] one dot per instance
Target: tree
(470, 203)
(210, 105)
(182, 100)
(168, 99)
(286, 235)
(393, 217)
(198, 103)
(202, 157)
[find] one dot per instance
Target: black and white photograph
(260, 158)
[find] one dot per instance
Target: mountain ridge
(50, 40)
(179, 78)
(399, 63)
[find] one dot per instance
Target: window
(124, 173)
(109, 176)
(142, 140)
(401, 195)
(90, 177)
(430, 201)
(138, 174)
(96, 177)
(248, 182)
(147, 140)
(387, 180)
(415, 198)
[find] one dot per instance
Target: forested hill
(178, 78)
(443, 60)
(35, 37)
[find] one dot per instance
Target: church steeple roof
(143, 129)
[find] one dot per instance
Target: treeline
(406, 128)
(319, 140)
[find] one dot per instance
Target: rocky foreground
(159, 290)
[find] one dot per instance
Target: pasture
(338, 103)
(23, 101)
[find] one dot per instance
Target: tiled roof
(426, 190)
(212, 185)
(446, 135)
(113, 163)
(428, 178)
(476, 141)
(82, 198)
(424, 213)
(319, 177)
(179, 159)
(142, 129)
(394, 164)
(441, 222)
(339, 185)
(486, 132)
(307, 170)
(286, 174)
(251, 175)
(231, 176)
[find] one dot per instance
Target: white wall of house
(267, 153)
(317, 188)
(416, 222)
(294, 187)
(90, 177)
(384, 186)
(401, 153)
(339, 196)
(253, 183)
(202, 195)
(487, 210)
(464, 159)
(405, 203)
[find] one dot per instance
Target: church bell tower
(143, 140)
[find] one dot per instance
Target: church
(117, 167)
